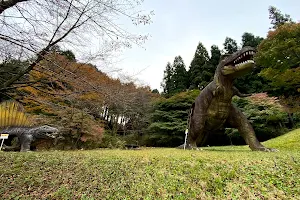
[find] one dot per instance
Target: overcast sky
(179, 25)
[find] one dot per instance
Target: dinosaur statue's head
(238, 63)
(45, 132)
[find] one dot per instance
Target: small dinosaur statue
(16, 123)
(213, 109)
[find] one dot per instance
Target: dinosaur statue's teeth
(243, 62)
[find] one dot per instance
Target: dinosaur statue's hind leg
(13, 144)
(238, 120)
(25, 141)
(196, 133)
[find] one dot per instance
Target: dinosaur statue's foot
(15, 149)
(265, 149)
(188, 146)
(11, 148)
(25, 150)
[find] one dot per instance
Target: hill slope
(288, 141)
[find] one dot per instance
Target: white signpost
(3, 137)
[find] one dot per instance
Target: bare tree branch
(19, 75)
(29, 29)
(8, 3)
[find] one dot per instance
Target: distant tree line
(202, 68)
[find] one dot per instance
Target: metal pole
(186, 133)
(1, 144)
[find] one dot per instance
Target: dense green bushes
(169, 120)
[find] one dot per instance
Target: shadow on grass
(227, 149)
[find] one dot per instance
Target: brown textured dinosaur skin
(213, 109)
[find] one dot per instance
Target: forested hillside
(83, 110)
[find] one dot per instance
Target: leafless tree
(29, 29)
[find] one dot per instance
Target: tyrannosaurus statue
(16, 123)
(213, 110)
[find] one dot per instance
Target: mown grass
(289, 141)
(212, 173)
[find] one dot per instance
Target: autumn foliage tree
(279, 55)
(83, 102)
(38, 71)
(31, 29)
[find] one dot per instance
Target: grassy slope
(214, 172)
(289, 141)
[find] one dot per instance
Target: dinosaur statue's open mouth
(240, 64)
(246, 57)
(51, 134)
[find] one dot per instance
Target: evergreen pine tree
(248, 39)
(198, 65)
(180, 78)
(215, 55)
(230, 45)
(168, 84)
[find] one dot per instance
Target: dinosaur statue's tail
(12, 114)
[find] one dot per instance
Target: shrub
(169, 120)
(266, 115)
(112, 141)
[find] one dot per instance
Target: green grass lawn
(232, 172)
